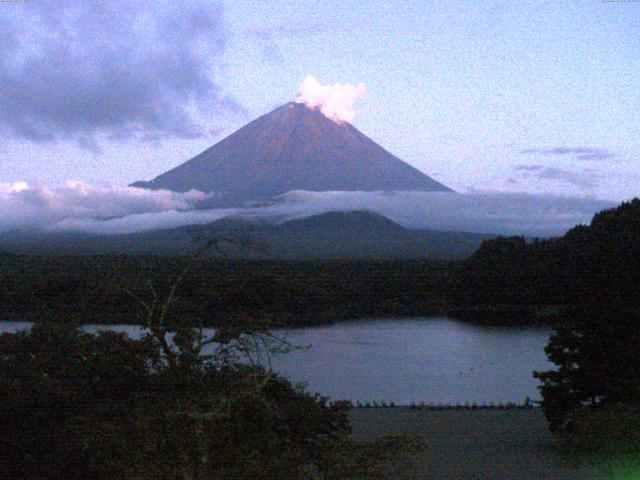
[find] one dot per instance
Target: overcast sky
(519, 96)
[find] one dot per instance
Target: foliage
(597, 352)
(80, 405)
(289, 293)
(501, 261)
(175, 403)
(64, 393)
(601, 260)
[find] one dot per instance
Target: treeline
(599, 261)
(106, 289)
(507, 280)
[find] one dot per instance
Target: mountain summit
(293, 147)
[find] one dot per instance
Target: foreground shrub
(80, 405)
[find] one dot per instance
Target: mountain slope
(293, 148)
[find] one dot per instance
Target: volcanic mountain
(293, 147)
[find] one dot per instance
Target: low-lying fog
(118, 209)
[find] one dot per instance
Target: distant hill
(331, 235)
(598, 262)
(293, 147)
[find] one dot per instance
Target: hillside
(589, 263)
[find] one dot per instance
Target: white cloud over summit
(334, 101)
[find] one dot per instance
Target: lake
(430, 360)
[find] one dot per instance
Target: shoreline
(489, 316)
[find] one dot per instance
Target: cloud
(269, 35)
(114, 209)
(586, 180)
(38, 205)
(581, 153)
(142, 222)
(334, 101)
(528, 168)
(72, 70)
(482, 212)
(297, 30)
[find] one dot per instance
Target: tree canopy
(81, 405)
(597, 354)
(588, 263)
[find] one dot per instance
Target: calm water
(431, 360)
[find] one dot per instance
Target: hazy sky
(539, 96)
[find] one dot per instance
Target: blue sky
(538, 97)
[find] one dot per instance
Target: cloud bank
(79, 207)
(484, 212)
(41, 206)
(334, 101)
(72, 70)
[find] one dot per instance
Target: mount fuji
(294, 147)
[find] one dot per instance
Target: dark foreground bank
(477, 444)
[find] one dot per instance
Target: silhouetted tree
(597, 352)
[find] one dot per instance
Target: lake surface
(431, 360)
